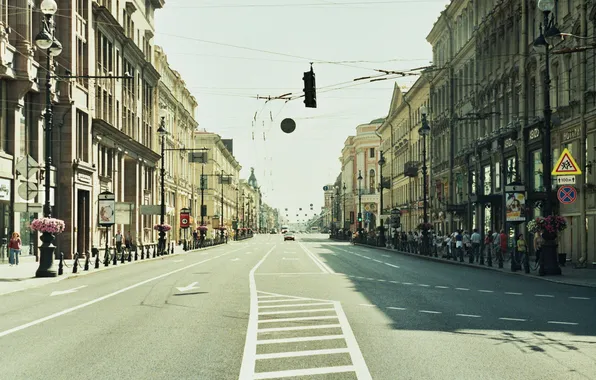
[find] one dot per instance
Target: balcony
(411, 169)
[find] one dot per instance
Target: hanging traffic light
(310, 89)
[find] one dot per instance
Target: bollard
(122, 258)
(172, 250)
(107, 258)
(142, 252)
(61, 264)
(76, 263)
(115, 259)
(154, 252)
(136, 253)
(97, 261)
(87, 262)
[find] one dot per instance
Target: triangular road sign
(566, 165)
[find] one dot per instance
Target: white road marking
(299, 339)
(366, 257)
(236, 259)
(377, 261)
(429, 311)
(468, 315)
(385, 255)
(424, 285)
(563, 323)
(396, 308)
(462, 289)
(293, 305)
(318, 262)
(513, 293)
(407, 283)
(485, 291)
(282, 273)
(297, 319)
(298, 328)
(370, 278)
(391, 265)
(545, 295)
(102, 298)
(513, 319)
(579, 298)
(189, 287)
(304, 372)
(293, 311)
(293, 354)
(394, 282)
(367, 305)
(61, 292)
(441, 287)
(381, 280)
(247, 368)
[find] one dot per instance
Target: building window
(371, 181)
(487, 180)
(82, 139)
(537, 176)
(372, 152)
(497, 176)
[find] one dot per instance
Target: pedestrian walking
(14, 249)
(476, 252)
(522, 251)
(538, 242)
(118, 240)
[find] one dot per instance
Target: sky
(231, 51)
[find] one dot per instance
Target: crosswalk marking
(295, 305)
(297, 328)
(304, 372)
(294, 354)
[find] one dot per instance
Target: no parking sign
(567, 194)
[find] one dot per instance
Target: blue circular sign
(567, 194)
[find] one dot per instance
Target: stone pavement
(571, 276)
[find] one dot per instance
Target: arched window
(371, 181)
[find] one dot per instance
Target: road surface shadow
(189, 294)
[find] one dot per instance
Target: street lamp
(46, 40)
(161, 132)
(344, 210)
(360, 205)
(381, 226)
(424, 131)
(548, 31)
(221, 230)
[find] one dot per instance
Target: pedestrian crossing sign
(566, 165)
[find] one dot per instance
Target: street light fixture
(424, 131)
(360, 205)
(381, 226)
(344, 211)
(162, 132)
(548, 257)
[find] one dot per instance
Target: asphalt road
(268, 309)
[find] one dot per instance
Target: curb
(464, 264)
(101, 269)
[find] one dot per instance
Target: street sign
(27, 190)
(566, 165)
(198, 157)
(27, 166)
(184, 218)
(566, 180)
(567, 194)
(124, 212)
(150, 209)
(107, 209)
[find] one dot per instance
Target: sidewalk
(20, 277)
(570, 276)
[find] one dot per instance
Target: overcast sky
(230, 51)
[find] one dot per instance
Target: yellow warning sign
(566, 165)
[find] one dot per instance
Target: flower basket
(550, 225)
(48, 225)
(162, 227)
(424, 226)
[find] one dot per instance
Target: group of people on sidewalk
(461, 243)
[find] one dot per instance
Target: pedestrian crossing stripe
(566, 165)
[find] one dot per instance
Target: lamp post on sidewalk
(424, 131)
(548, 31)
(381, 186)
(343, 223)
(360, 205)
(161, 131)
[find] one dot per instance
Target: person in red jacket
(503, 246)
(14, 247)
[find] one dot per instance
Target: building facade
(221, 180)
(178, 108)
(487, 100)
(360, 156)
(402, 149)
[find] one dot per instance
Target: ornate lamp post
(46, 40)
(161, 131)
(548, 31)
(424, 131)
(344, 210)
(360, 205)
(381, 226)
